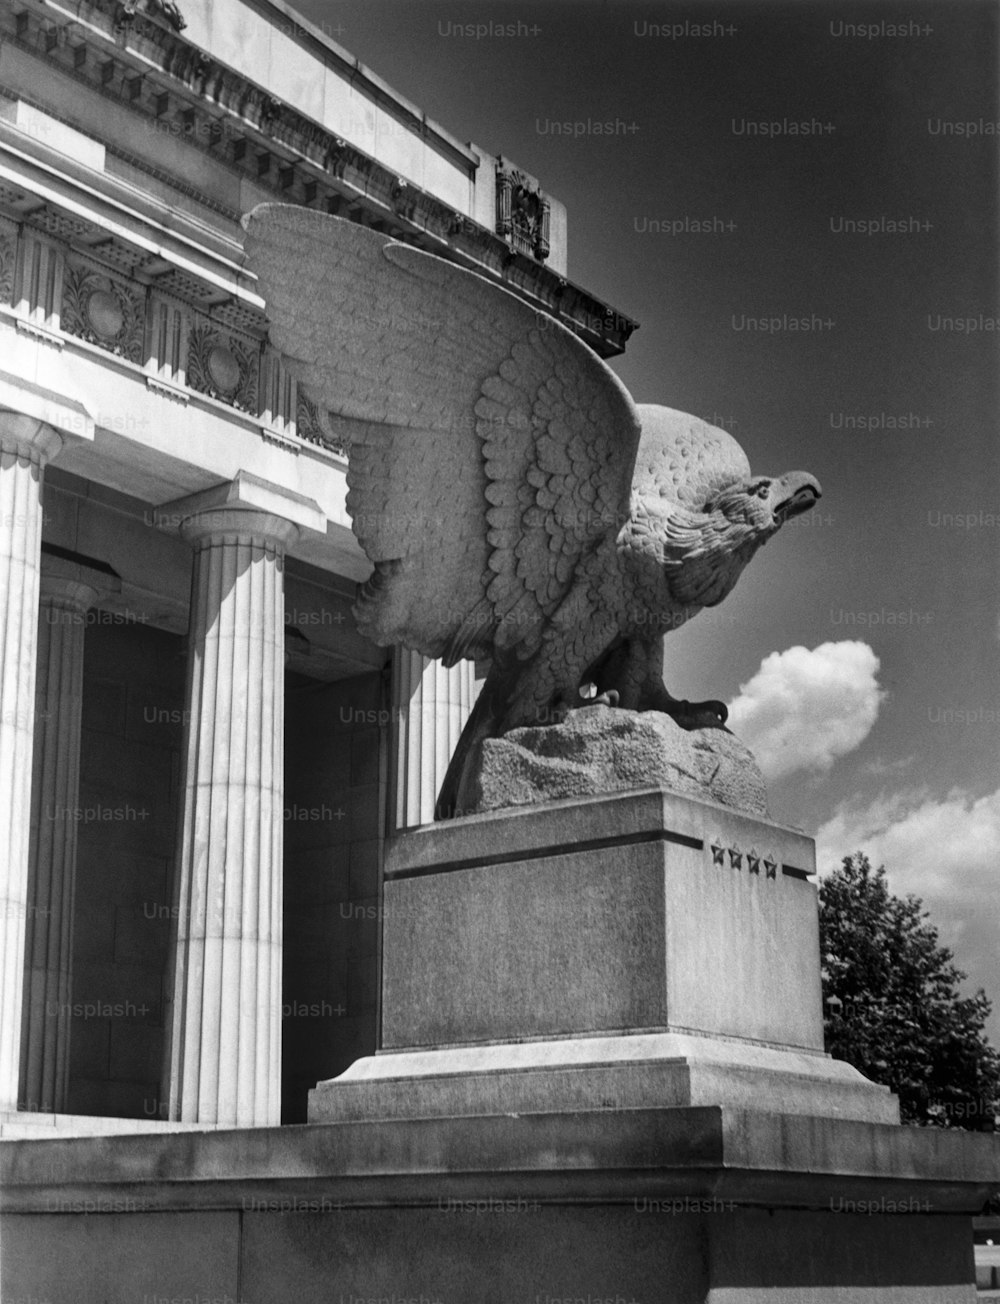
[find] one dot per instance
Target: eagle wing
(488, 447)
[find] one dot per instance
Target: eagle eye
(761, 490)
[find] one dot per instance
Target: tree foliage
(892, 1003)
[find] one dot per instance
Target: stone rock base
(600, 749)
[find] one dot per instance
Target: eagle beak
(794, 494)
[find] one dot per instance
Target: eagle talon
(610, 698)
(700, 715)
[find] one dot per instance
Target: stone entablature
(173, 87)
(217, 350)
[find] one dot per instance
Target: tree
(893, 1007)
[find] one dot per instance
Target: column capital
(28, 437)
(40, 419)
(238, 524)
(245, 506)
(75, 584)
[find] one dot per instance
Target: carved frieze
(224, 366)
(309, 425)
(103, 310)
(8, 262)
(404, 202)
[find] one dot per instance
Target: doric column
(68, 591)
(26, 445)
(224, 1053)
(430, 707)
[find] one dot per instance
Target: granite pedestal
(642, 949)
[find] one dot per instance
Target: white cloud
(936, 846)
(945, 850)
(803, 709)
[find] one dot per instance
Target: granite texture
(600, 749)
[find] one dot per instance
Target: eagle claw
(610, 698)
(699, 715)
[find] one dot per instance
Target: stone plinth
(641, 949)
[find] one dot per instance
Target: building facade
(200, 757)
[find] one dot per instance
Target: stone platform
(601, 1081)
(635, 950)
(643, 1206)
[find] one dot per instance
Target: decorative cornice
(150, 68)
(166, 9)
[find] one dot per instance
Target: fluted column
(224, 1057)
(430, 707)
(68, 591)
(26, 445)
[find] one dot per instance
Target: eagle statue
(516, 505)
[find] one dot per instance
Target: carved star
(735, 857)
(718, 851)
(771, 865)
(753, 861)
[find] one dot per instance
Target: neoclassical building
(200, 757)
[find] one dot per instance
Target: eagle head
(759, 507)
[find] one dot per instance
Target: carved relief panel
(312, 427)
(522, 213)
(103, 309)
(224, 364)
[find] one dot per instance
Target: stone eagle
(517, 506)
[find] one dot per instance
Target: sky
(860, 651)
